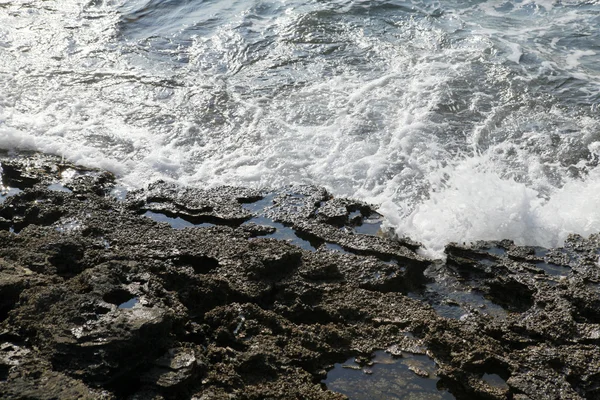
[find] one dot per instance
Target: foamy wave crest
(461, 124)
(473, 202)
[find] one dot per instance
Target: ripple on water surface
(460, 120)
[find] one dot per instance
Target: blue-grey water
(462, 120)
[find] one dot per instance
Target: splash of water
(463, 121)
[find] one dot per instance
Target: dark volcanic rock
(181, 293)
(83, 327)
(222, 205)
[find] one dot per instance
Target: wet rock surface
(182, 293)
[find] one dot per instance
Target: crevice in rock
(4, 370)
(510, 294)
(269, 316)
(9, 296)
(493, 366)
(197, 220)
(200, 263)
(12, 175)
(249, 199)
(587, 388)
(118, 297)
(67, 258)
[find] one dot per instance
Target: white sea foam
(574, 57)
(475, 203)
(460, 124)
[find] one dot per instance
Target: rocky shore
(231, 293)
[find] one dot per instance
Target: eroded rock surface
(183, 293)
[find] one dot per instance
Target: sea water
(461, 120)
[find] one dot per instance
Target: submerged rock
(257, 294)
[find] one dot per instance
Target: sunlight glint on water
(462, 120)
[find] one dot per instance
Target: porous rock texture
(255, 295)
